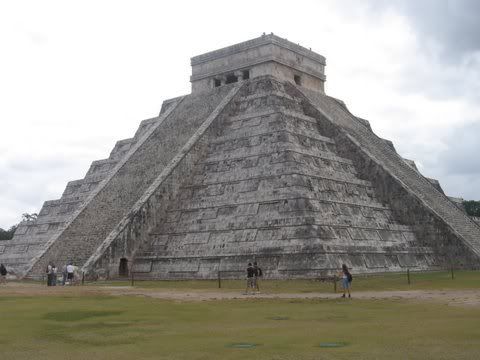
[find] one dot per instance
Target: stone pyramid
(256, 164)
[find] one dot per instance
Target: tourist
(64, 275)
(3, 274)
(257, 274)
(70, 271)
(49, 274)
(54, 275)
(346, 280)
(250, 278)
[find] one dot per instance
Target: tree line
(8, 234)
(472, 207)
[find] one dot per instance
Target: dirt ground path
(450, 297)
(465, 298)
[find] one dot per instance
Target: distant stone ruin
(256, 164)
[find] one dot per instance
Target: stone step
(322, 152)
(266, 130)
(280, 172)
(273, 219)
(189, 202)
(269, 197)
(265, 102)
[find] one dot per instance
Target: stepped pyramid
(257, 163)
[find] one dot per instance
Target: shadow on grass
(104, 333)
(94, 338)
(77, 315)
(333, 344)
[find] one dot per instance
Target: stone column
(239, 75)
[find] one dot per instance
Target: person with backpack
(3, 274)
(346, 280)
(258, 273)
(250, 278)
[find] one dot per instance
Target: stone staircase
(413, 181)
(127, 181)
(31, 237)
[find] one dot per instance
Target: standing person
(70, 270)
(54, 275)
(258, 273)
(346, 280)
(250, 278)
(49, 274)
(3, 274)
(64, 275)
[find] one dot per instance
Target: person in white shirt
(54, 276)
(70, 271)
(49, 274)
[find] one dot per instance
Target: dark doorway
(231, 79)
(297, 79)
(123, 267)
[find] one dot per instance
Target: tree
(7, 234)
(29, 217)
(472, 207)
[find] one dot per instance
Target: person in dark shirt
(250, 278)
(3, 274)
(257, 274)
(346, 280)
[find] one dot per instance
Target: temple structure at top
(265, 55)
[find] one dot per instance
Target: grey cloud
(461, 186)
(25, 183)
(442, 82)
(31, 164)
(462, 156)
(458, 166)
(454, 24)
(446, 62)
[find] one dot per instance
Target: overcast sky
(75, 77)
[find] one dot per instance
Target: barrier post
(219, 281)
(408, 276)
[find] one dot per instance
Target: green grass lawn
(75, 325)
(107, 327)
(418, 281)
